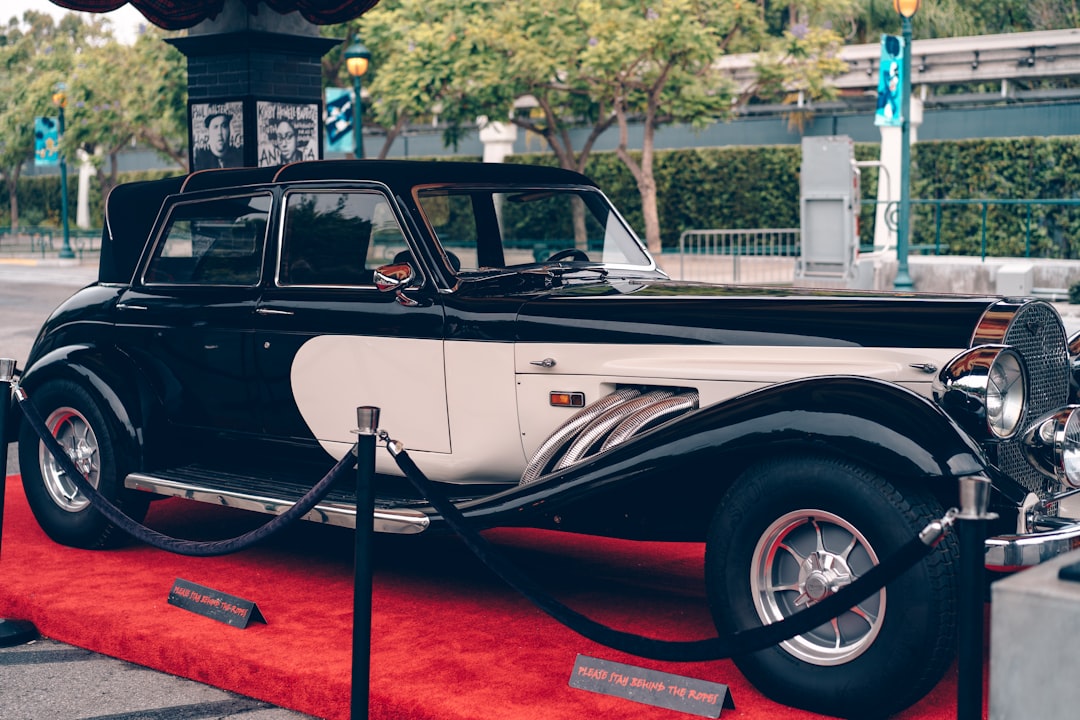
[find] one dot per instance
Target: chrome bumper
(1006, 553)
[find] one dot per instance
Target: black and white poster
(288, 132)
(217, 135)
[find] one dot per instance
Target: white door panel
(482, 397)
(332, 375)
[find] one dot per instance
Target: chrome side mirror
(396, 278)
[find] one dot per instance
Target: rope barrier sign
(651, 687)
(214, 604)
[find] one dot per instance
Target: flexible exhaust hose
(569, 428)
(663, 410)
(602, 425)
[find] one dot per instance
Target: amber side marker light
(567, 399)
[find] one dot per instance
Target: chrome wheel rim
(803, 558)
(75, 435)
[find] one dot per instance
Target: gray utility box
(1015, 279)
(829, 208)
(1035, 644)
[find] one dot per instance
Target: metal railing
(760, 256)
(1021, 227)
(45, 241)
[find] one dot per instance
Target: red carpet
(449, 642)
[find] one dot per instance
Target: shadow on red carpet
(449, 640)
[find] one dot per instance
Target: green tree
(423, 51)
(36, 55)
(115, 94)
(596, 64)
(107, 112)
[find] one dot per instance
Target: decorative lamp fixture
(357, 57)
(906, 8)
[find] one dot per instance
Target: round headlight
(1052, 445)
(1070, 450)
(1005, 394)
(984, 389)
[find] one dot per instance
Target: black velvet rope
(161, 541)
(739, 643)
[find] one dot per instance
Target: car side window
(453, 219)
(212, 242)
(336, 238)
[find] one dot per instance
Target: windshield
(485, 228)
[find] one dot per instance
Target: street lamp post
(60, 100)
(906, 9)
(357, 58)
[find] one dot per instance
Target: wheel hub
(74, 434)
(82, 455)
(822, 574)
(804, 557)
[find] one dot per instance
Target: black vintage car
(541, 368)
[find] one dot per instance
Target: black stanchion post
(971, 526)
(367, 420)
(12, 632)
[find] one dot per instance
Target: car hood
(646, 310)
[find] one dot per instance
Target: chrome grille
(1036, 332)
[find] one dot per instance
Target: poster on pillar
(287, 132)
(217, 134)
(338, 121)
(890, 82)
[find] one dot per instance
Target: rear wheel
(95, 444)
(790, 533)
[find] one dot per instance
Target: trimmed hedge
(40, 203)
(758, 187)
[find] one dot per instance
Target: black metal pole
(12, 632)
(7, 374)
(65, 249)
(971, 526)
(367, 420)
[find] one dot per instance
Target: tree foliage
(114, 95)
(560, 65)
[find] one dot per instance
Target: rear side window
(336, 238)
(212, 242)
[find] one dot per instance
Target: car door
(188, 315)
(328, 341)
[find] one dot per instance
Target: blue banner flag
(338, 121)
(46, 141)
(890, 82)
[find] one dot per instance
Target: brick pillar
(254, 88)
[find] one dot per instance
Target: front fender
(883, 426)
(109, 374)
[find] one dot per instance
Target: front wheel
(76, 420)
(791, 532)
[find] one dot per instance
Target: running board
(328, 512)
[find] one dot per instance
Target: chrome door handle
(545, 363)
